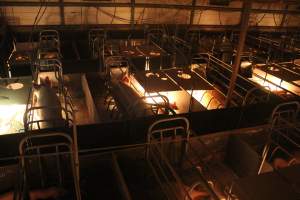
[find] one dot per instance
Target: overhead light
(184, 76)
(149, 74)
(15, 86)
(274, 69)
(245, 64)
(154, 53)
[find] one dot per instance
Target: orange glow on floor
(180, 99)
(11, 118)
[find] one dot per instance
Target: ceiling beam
(127, 27)
(146, 5)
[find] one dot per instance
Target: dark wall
(135, 131)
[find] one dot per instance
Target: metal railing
(212, 97)
(160, 102)
(265, 80)
(156, 108)
(271, 48)
(220, 67)
(172, 136)
(165, 175)
(289, 70)
(97, 40)
(158, 132)
(252, 98)
(63, 108)
(168, 174)
(47, 66)
(49, 43)
(117, 62)
(284, 132)
(33, 150)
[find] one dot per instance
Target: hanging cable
(199, 18)
(287, 20)
(220, 21)
(115, 10)
(35, 20)
(258, 22)
(46, 6)
(120, 18)
(97, 11)
(274, 20)
(141, 17)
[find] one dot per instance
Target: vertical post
(192, 12)
(132, 14)
(245, 15)
(62, 12)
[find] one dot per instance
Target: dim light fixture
(15, 86)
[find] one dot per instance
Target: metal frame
(284, 127)
(97, 37)
(270, 46)
(29, 151)
(172, 190)
(49, 42)
(156, 108)
(281, 80)
(155, 36)
(162, 140)
(116, 60)
(66, 106)
(279, 66)
(291, 45)
(165, 106)
(182, 45)
(205, 175)
(154, 129)
(159, 167)
(164, 162)
(210, 59)
(48, 65)
(251, 98)
(47, 33)
(51, 46)
(213, 98)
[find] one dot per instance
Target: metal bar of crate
(71, 148)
